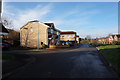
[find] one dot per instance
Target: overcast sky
(86, 18)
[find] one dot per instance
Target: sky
(97, 19)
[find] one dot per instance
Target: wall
(66, 38)
(29, 37)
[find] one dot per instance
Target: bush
(44, 46)
(83, 41)
(116, 42)
(96, 44)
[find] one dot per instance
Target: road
(83, 62)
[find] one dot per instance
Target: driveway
(83, 62)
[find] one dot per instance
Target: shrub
(44, 46)
(96, 44)
(116, 42)
(83, 41)
(101, 44)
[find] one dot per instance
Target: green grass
(6, 57)
(112, 54)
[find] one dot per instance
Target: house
(35, 33)
(107, 40)
(117, 37)
(13, 37)
(111, 39)
(68, 36)
(103, 40)
(93, 40)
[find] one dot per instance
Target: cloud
(67, 21)
(77, 19)
(21, 17)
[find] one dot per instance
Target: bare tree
(88, 37)
(7, 22)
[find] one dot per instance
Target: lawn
(112, 54)
(6, 57)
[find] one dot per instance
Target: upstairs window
(68, 36)
(31, 30)
(72, 36)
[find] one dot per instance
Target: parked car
(69, 43)
(4, 46)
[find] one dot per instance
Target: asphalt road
(83, 62)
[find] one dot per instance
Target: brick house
(111, 39)
(34, 34)
(93, 40)
(107, 40)
(103, 40)
(68, 36)
(117, 37)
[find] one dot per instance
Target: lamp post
(38, 35)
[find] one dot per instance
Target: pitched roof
(31, 22)
(68, 32)
(50, 24)
(3, 28)
(77, 36)
(118, 35)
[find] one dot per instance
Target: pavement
(79, 62)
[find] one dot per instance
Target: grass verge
(112, 54)
(6, 57)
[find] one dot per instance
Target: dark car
(69, 43)
(4, 46)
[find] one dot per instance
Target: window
(51, 30)
(62, 36)
(67, 35)
(57, 33)
(31, 30)
(72, 36)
